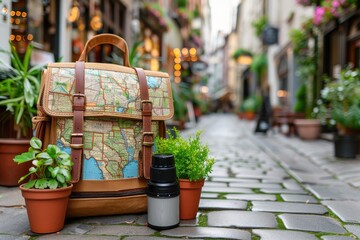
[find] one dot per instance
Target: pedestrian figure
(264, 118)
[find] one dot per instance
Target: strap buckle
(148, 144)
(78, 95)
(76, 145)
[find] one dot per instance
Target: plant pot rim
(307, 121)
(44, 190)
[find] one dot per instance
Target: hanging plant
(259, 64)
(241, 52)
(259, 25)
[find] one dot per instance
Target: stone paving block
(115, 219)
(209, 195)
(347, 211)
(121, 230)
(241, 219)
(299, 198)
(207, 232)
(150, 238)
(251, 197)
(230, 179)
(14, 237)
(226, 190)
(288, 207)
(11, 196)
(76, 228)
(312, 223)
(267, 234)
(222, 204)
(289, 191)
(258, 176)
(215, 184)
(354, 229)
(75, 237)
(313, 177)
(291, 184)
(256, 185)
(14, 221)
(330, 192)
(336, 237)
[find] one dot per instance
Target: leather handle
(106, 39)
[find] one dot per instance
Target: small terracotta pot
(189, 198)
(308, 129)
(11, 172)
(46, 208)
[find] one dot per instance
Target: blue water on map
(62, 147)
(131, 169)
(152, 82)
(91, 169)
(120, 109)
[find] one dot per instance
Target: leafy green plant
(19, 91)
(192, 159)
(51, 166)
(241, 52)
(300, 105)
(259, 64)
(342, 98)
(259, 25)
(251, 104)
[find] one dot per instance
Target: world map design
(111, 146)
(106, 91)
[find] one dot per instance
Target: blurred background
(222, 56)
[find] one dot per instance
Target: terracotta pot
(46, 208)
(249, 116)
(308, 129)
(189, 198)
(10, 172)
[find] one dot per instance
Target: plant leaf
(52, 183)
(41, 184)
(24, 157)
(30, 184)
(60, 178)
(54, 172)
(66, 174)
(43, 155)
(51, 150)
(36, 143)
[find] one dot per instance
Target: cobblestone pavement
(267, 187)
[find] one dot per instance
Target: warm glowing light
(177, 52)
(18, 38)
(74, 14)
(18, 13)
(154, 64)
(177, 66)
(155, 52)
(12, 13)
(24, 14)
(184, 51)
(147, 44)
(194, 59)
(11, 20)
(96, 23)
(204, 89)
(30, 37)
(281, 93)
(177, 73)
(17, 21)
(244, 60)
(177, 60)
(12, 37)
(177, 79)
(192, 51)
(5, 10)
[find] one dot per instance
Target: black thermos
(163, 193)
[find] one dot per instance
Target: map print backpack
(106, 116)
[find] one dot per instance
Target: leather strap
(79, 101)
(106, 39)
(146, 112)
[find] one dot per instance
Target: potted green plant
(342, 98)
(47, 193)
(18, 93)
(193, 165)
(306, 128)
(250, 106)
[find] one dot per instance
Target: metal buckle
(77, 146)
(148, 143)
(78, 95)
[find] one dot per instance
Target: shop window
(34, 21)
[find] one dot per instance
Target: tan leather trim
(110, 67)
(84, 207)
(109, 185)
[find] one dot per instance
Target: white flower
(316, 110)
(340, 88)
(332, 122)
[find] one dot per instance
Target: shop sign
(270, 35)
